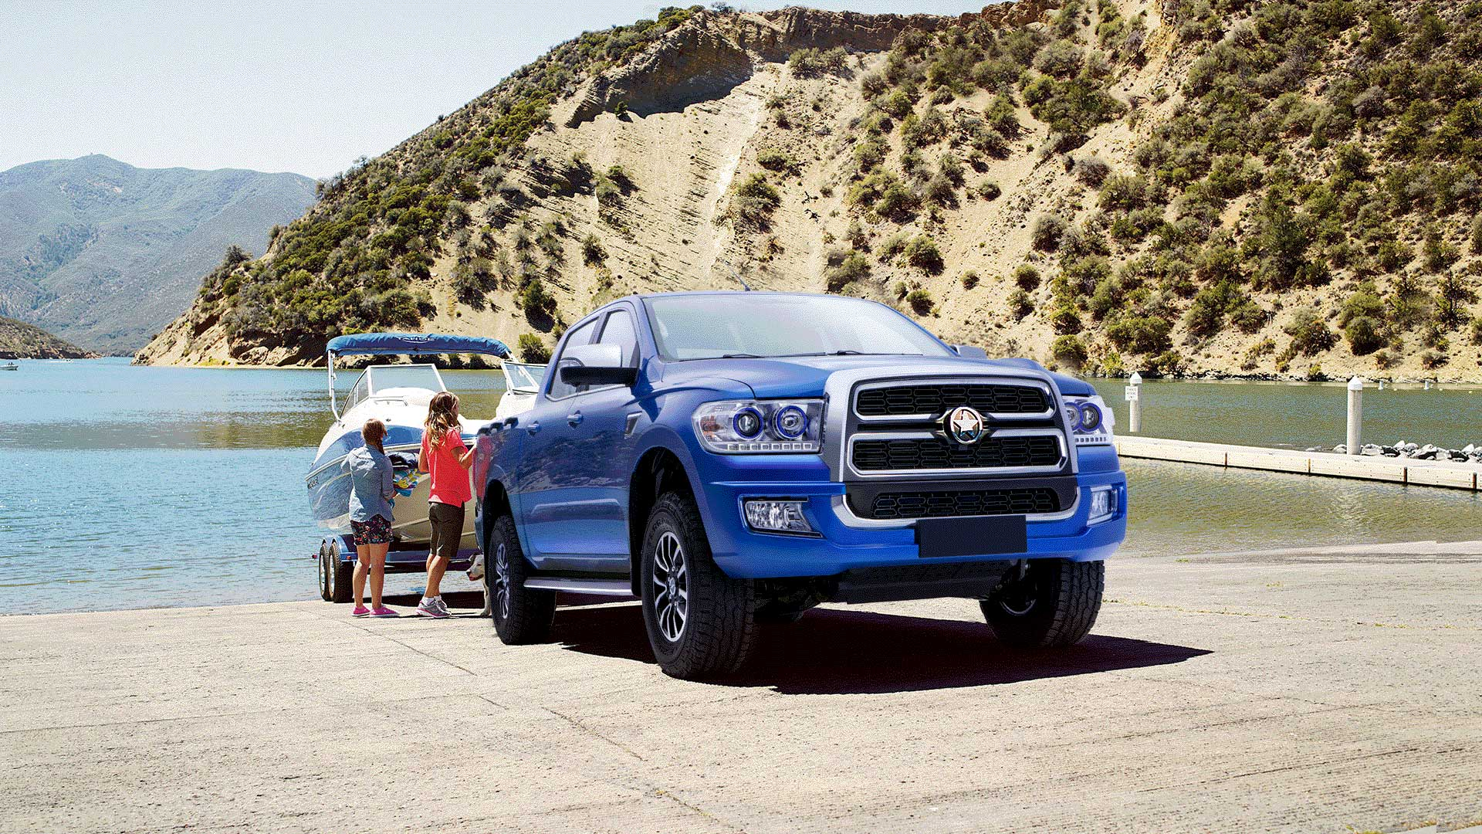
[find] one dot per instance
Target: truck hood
(806, 376)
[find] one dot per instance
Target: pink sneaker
(360, 611)
(383, 611)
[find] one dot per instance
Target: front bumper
(846, 543)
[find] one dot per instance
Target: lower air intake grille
(1026, 501)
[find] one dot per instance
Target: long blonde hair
(442, 416)
(374, 432)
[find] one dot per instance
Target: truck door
(547, 469)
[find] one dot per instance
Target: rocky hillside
(108, 254)
(1230, 187)
(19, 340)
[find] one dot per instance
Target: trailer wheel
(1054, 604)
(521, 615)
(325, 592)
(340, 574)
(701, 623)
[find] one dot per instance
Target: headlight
(748, 426)
(1089, 420)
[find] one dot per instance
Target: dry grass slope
(1285, 187)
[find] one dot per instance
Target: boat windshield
(380, 378)
(522, 378)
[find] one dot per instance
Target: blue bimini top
(363, 344)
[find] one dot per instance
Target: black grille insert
(906, 454)
(937, 398)
(1022, 501)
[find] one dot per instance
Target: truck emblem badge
(965, 425)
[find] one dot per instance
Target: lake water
(130, 487)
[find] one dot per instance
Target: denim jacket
(371, 487)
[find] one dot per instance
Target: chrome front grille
(939, 453)
(933, 399)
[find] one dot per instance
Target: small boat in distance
(397, 395)
(10, 366)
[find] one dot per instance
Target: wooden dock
(1362, 467)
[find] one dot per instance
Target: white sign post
(1355, 413)
(1134, 403)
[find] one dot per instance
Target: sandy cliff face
(642, 175)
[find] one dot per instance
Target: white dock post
(1355, 413)
(1134, 403)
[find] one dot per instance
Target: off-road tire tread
(720, 632)
(531, 612)
(1077, 589)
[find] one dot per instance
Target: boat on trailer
(397, 395)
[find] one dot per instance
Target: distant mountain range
(19, 340)
(106, 254)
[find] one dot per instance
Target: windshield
(764, 324)
(524, 378)
(379, 378)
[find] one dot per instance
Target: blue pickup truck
(735, 458)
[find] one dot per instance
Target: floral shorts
(375, 531)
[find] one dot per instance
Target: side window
(620, 331)
(580, 336)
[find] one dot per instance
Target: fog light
(772, 516)
(1103, 504)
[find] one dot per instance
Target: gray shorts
(447, 529)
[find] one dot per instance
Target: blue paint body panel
(565, 467)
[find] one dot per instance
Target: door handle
(574, 418)
(533, 427)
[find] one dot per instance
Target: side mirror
(970, 352)
(596, 365)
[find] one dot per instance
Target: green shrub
(1477, 235)
(809, 61)
(1048, 231)
(592, 253)
(898, 104)
(535, 300)
(1003, 117)
(892, 246)
(1026, 276)
(1364, 334)
(1069, 350)
(532, 349)
(1140, 334)
(1310, 335)
(755, 201)
(1020, 304)
(1092, 170)
(1433, 359)
(1065, 319)
(990, 191)
(922, 253)
(920, 301)
(775, 160)
(969, 279)
(854, 267)
(897, 202)
(1247, 315)
(1123, 193)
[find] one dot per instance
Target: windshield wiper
(739, 356)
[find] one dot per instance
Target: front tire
(700, 622)
(521, 615)
(1054, 604)
(326, 577)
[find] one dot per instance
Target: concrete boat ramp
(1406, 471)
(1317, 690)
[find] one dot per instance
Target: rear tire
(520, 615)
(1053, 605)
(700, 622)
(341, 575)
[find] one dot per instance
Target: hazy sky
(304, 86)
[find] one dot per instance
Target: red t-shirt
(450, 484)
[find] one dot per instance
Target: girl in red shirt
(447, 459)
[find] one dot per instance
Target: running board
(599, 587)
